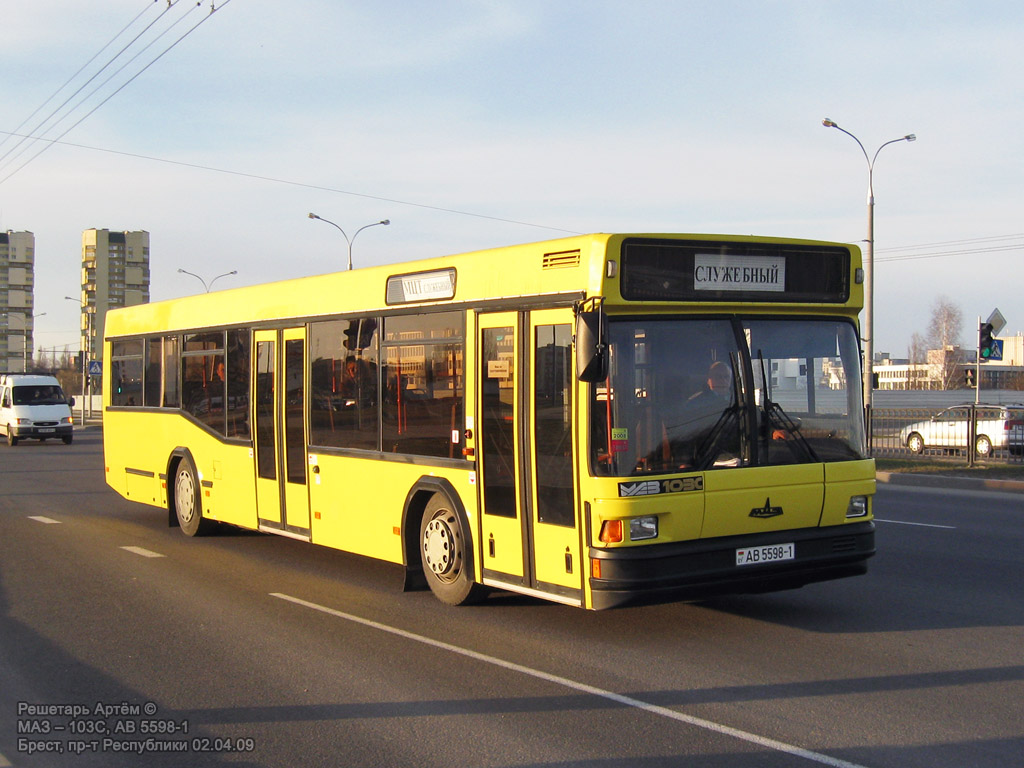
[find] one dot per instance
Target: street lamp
(85, 353)
(26, 347)
(209, 285)
(869, 261)
(385, 222)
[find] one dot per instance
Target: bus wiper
(707, 451)
(776, 418)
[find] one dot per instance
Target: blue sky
(480, 124)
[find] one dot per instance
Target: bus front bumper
(704, 568)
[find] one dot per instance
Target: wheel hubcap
(440, 549)
(184, 496)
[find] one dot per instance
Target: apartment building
(17, 276)
(115, 273)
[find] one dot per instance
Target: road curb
(941, 481)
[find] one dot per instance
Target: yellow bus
(596, 420)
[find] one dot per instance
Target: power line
(304, 185)
(950, 242)
(34, 134)
(992, 244)
(50, 142)
(67, 82)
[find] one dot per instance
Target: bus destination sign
(655, 269)
(716, 272)
(421, 286)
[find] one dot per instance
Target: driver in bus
(717, 394)
(704, 422)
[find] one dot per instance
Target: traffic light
(969, 377)
(359, 334)
(986, 341)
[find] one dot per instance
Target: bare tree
(947, 324)
(917, 352)
(945, 356)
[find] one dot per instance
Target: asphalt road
(120, 637)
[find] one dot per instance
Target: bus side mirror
(592, 345)
(71, 402)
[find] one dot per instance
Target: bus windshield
(686, 394)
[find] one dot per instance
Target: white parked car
(999, 427)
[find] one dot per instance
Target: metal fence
(892, 431)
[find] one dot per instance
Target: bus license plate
(46, 430)
(770, 553)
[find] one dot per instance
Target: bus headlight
(858, 507)
(641, 528)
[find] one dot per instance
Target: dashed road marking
(142, 552)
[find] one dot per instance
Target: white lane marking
(142, 552)
(922, 525)
(47, 521)
(628, 701)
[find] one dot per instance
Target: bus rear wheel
(188, 505)
(444, 553)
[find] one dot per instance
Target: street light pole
(868, 335)
(208, 286)
(27, 356)
(85, 353)
(385, 222)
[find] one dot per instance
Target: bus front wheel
(443, 549)
(188, 504)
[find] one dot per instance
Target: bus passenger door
(529, 520)
(282, 494)
(502, 526)
(293, 414)
(554, 518)
(268, 490)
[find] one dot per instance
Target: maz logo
(767, 510)
(654, 487)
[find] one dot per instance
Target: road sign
(96, 368)
(997, 350)
(997, 321)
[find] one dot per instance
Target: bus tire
(444, 553)
(188, 505)
(11, 439)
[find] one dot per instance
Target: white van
(34, 408)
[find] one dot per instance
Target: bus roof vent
(561, 259)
